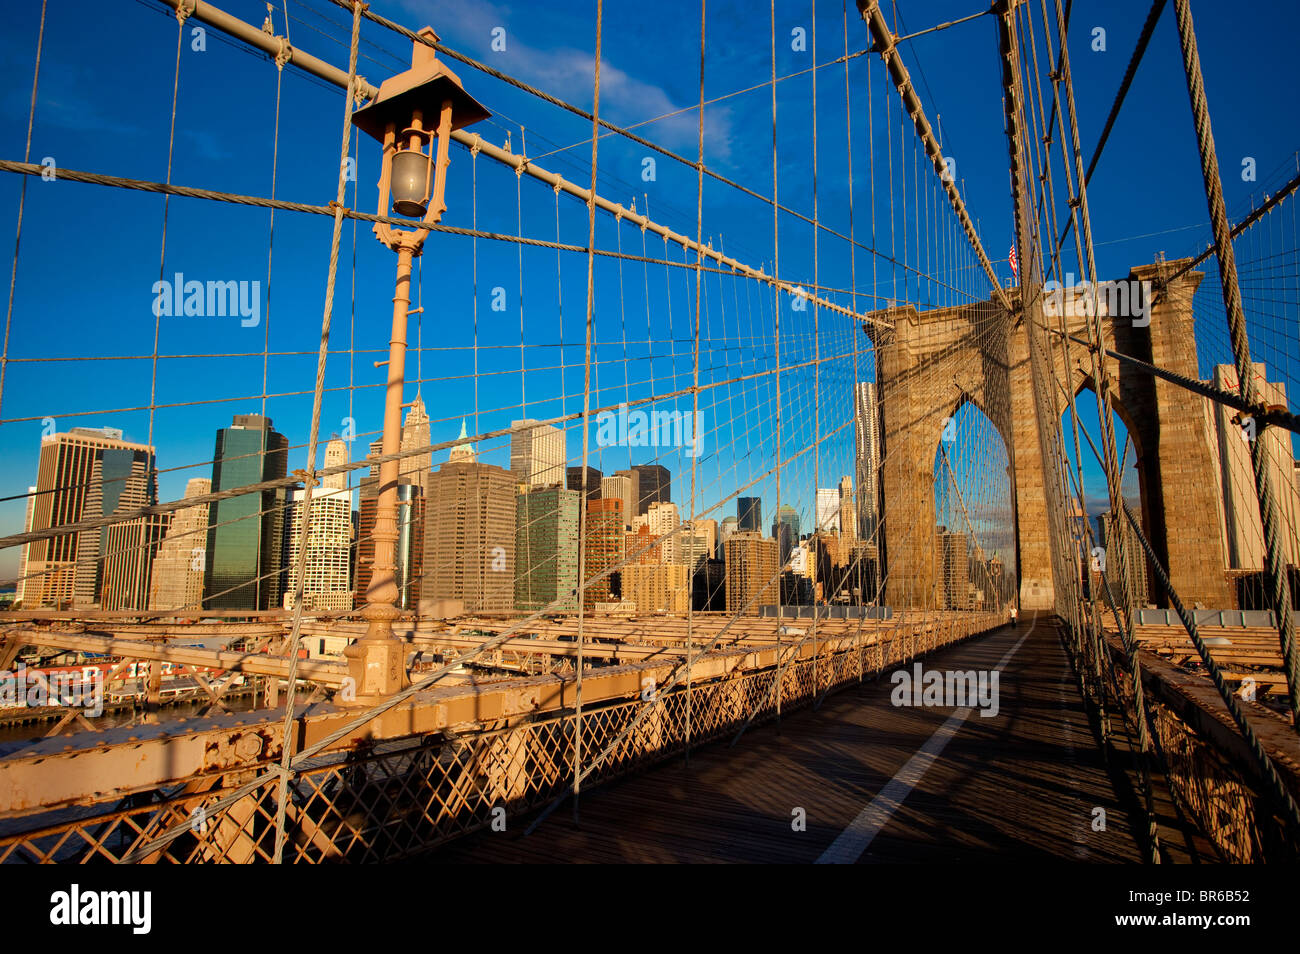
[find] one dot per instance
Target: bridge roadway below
(877, 782)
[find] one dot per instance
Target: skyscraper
(414, 469)
(336, 454)
(546, 549)
(785, 531)
(87, 472)
(410, 545)
(177, 581)
(752, 579)
(749, 514)
(790, 517)
(620, 487)
(657, 587)
(633, 509)
(326, 574)
(785, 541)
(663, 521)
(604, 545)
(640, 547)
(20, 588)
(412, 491)
(573, 477)
(952, 569)
(828, 509)
(866, 421)
(1112, 534)
(469, 539)
(537, 454)
(128, 562)
(367, 513)
(709, 527)
(694, 544)
(654, 485)
(848, 511)
(244, 560)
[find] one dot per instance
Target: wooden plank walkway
(1018, 786)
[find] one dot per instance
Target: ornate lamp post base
(377, 661)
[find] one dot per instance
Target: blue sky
(90, 255)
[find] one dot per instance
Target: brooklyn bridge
(752, 497)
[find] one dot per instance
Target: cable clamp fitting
(284, 54)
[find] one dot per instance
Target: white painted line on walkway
(849, 845)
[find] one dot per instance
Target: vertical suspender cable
(22, 200)
(586, 395)
(310, 483)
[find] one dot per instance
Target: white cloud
(568, 73)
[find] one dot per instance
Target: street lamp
(412, 117)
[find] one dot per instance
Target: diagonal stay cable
(1276, 787)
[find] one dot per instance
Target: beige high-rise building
(336, 454)
(128, 561)
(866, 421)
(635, 495)
(664, 521)
(848, 511)
(1243, 528)
(1109, 530)
(693, 545)
(327, 572)
(367, 511)
(620, 486)
(657, 587)
(20, 588)
(952, 569)
(415, 433)
(469, 540)
(752, 580)
(709, 527)
(537, 454)
(177, 581)
(87, 472)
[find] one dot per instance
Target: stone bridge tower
(929, 364)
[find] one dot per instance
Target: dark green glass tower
(244, 564)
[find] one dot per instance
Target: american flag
(1011, 260)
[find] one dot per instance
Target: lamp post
(412, 117)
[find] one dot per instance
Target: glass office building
(244, 562)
